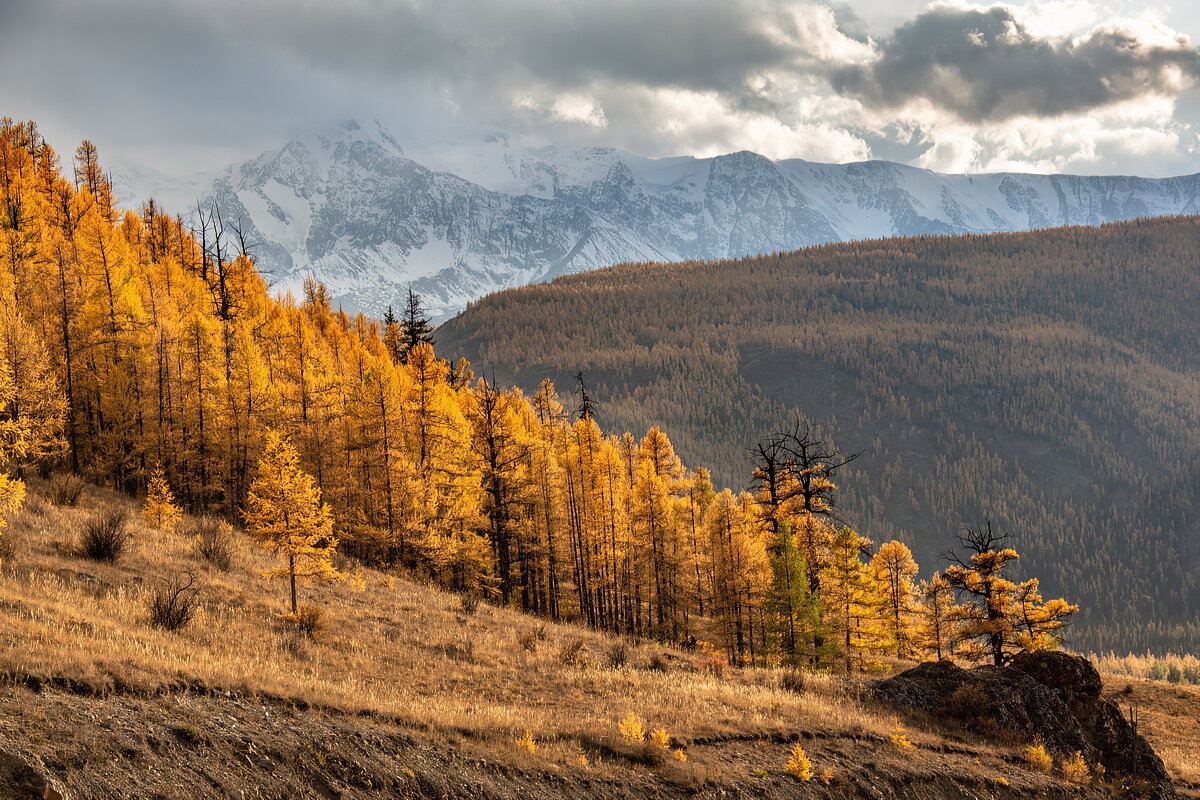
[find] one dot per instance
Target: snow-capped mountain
(370, 218)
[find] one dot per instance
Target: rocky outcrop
(1047, 696)
(25, 779)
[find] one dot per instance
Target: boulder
(1048, 696)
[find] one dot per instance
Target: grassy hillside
(1049, 381)
(409, 693)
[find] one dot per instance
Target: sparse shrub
(8, 548)
(573, 653)
(528, 642)
(713, 664)
(678, 754)
(618, 655)
(656, 747)
(187, 734)
(798, 765)
(66, 490)
(309, 620)
(967, 701)
(462, 650)
(106, 536)
(828, 775)
(174, 602)
(900, 740)
(793, 681)
(527, 743)
(658, 663)
(1075, 769)
(469, 603)
(215, 543)
(632, 728)
(1038, 757)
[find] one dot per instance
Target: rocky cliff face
(369, 218)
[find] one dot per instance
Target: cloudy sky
(1088, 86)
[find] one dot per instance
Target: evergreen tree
(586, 408)
(792, 612)
(415, 327)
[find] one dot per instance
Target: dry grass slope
(406, 682)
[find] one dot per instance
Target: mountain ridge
(371, 217)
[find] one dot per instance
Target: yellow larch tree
(851, 599)
(160, 510)
(31, 408)
(13, 444)
(894, 570)
(1040, 622)
(998, 618)
(937, 626)
(658, 474)
(284, 513)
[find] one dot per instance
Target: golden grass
(1169, 717)
(394, 648)
(409, 654)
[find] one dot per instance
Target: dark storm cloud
(234, 68)
(984, 65)
(713, 46)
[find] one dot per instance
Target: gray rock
(1048, 696)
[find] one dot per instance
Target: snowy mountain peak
(370, 218)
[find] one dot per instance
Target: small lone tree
(160, 510)
(998, 617)
(285, 514)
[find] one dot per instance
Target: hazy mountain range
(369, 217)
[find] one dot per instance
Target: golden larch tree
(12, 445)
(937, 628)
(998, 617)
(851, 599)
(285, 514)
(894, 569)
(160, 510)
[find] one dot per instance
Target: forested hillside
(152, 358)
(1049, 381)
